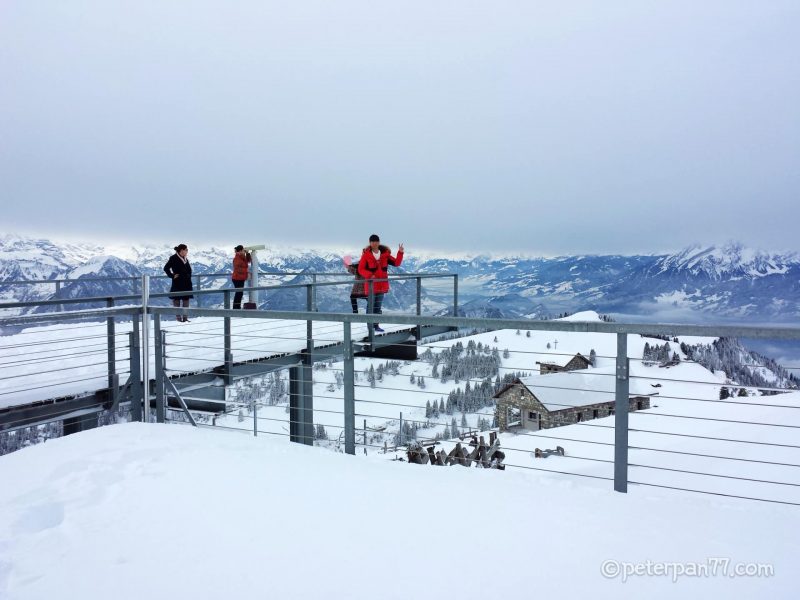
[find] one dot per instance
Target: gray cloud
(505, 126)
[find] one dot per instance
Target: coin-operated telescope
(253, 281)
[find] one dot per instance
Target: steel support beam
(349, 393)
(621, 408)
(159, 338)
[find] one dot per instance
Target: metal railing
(199, 278)
(229, 369)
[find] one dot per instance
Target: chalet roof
(570, 389)
(565, 360)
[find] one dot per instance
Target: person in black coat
(179, 271)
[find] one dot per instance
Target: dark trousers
(354, 303)
(376, 307)
(237, 297)
(177, 302)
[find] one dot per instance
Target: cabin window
(595, 413)
(578, 417)
(638, 405)
(513, 416)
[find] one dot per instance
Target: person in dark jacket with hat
(179, 271)
(374, 264)
(241, 262)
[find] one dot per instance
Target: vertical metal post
(255, 418)
(301, 404)
(309, 323)
(371, 311)
(146, 347)
(158, 340)
(228, 353)
(200, 296)
(112, 344)
(136, 373)
(418, 329)
(59, 307)
(314, 295)
(365, 436)
(295, 403)
(455, 295)
(114, 394)
(621, 408)
(400, 434)
(349, 392)
(308, 379)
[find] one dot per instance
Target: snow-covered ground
(166, 511)
(684, 415)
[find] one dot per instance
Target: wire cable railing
(679, 435)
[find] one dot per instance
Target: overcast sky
(539, 127)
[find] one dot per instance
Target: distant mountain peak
(732, 259)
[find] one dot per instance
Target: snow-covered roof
(563, 362)
(558, 391)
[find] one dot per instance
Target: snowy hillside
(164, 511)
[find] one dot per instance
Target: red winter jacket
(369, 268)
(240, 266)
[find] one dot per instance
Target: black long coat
(182, 283)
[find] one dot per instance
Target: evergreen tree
(724, 393)
(528, 333)
(428, 410)
(412, 379)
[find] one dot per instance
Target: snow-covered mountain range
(726, 282)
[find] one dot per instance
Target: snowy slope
(164, 511)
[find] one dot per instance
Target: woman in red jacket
(240, 273)
(374, 264)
